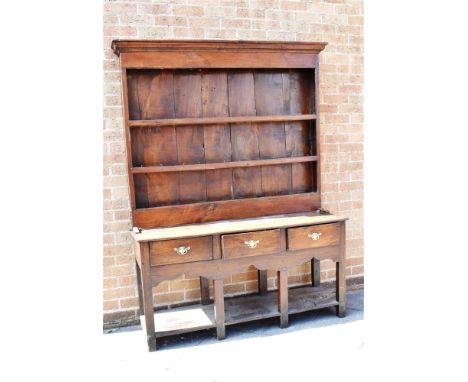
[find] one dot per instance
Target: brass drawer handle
(182, 250)
(252, 243)
(315, 235)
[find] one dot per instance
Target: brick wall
(338, 22)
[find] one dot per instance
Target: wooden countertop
(240, 225)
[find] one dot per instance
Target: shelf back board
(243, 118)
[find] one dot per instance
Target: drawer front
(181, 250)
(313, 236)
(250, 243)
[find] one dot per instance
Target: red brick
(350, 89)
(247, 276)
(168, 298)
(220, 11)
(131, 302)
(351, 147)
(350, 205)
(112, 100)
(120, 7)
(250, 13)
(181, 32)
(264, 4)
(184, 284)
(359, 270)
(135, 20)
(335, 99)
(155, 32)
(161, 287)
(110, 19)
(110, 283)
(299, 279)
(335, 118)
(127, 259)
(218, 33)
(108, 261)
(121, 270)
(204, 22)
(236, 3)
(193, 294)
(126, 281)
(356, 20)
(118, 249)
(251, 34)
(154, 9)
(113, 31)
(171, 21)
(234, 288)
(293, 5)
(122, 215)
(111, 294)
(187, 10)
(272, 14)
(111, 305)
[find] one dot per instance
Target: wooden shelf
(223, 165)
(241, 309)
(220, 120)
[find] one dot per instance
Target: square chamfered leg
(147, 288)
(139, 289)
(283, 297)
(340, 289)
(315, 272)
(205, 290)
(262, 282)
(219, 309)
(341, 275)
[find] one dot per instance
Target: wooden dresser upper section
(219, 130)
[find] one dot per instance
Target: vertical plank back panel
(298, 85)
(244, 137)
(269, 99)
(190, 139)
(156, 100)
(137, 140)
(217, 138)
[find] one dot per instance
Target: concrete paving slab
(201, 357)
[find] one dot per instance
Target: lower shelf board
(240, 309)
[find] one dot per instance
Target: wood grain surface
(234, 245)
(163, 252)
(329, 234)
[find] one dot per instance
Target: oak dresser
(222, 141)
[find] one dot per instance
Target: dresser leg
(139, 289)
(341, 274)
(147, 287)
(283, 297)
(315, 272)
(219, 309)
(205, 290)
(340, 289)
(262, 282)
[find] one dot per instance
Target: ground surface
(250, 351)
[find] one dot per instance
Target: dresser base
(212, 251)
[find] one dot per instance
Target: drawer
(250, 243)
(181, 250)
(313, 236)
